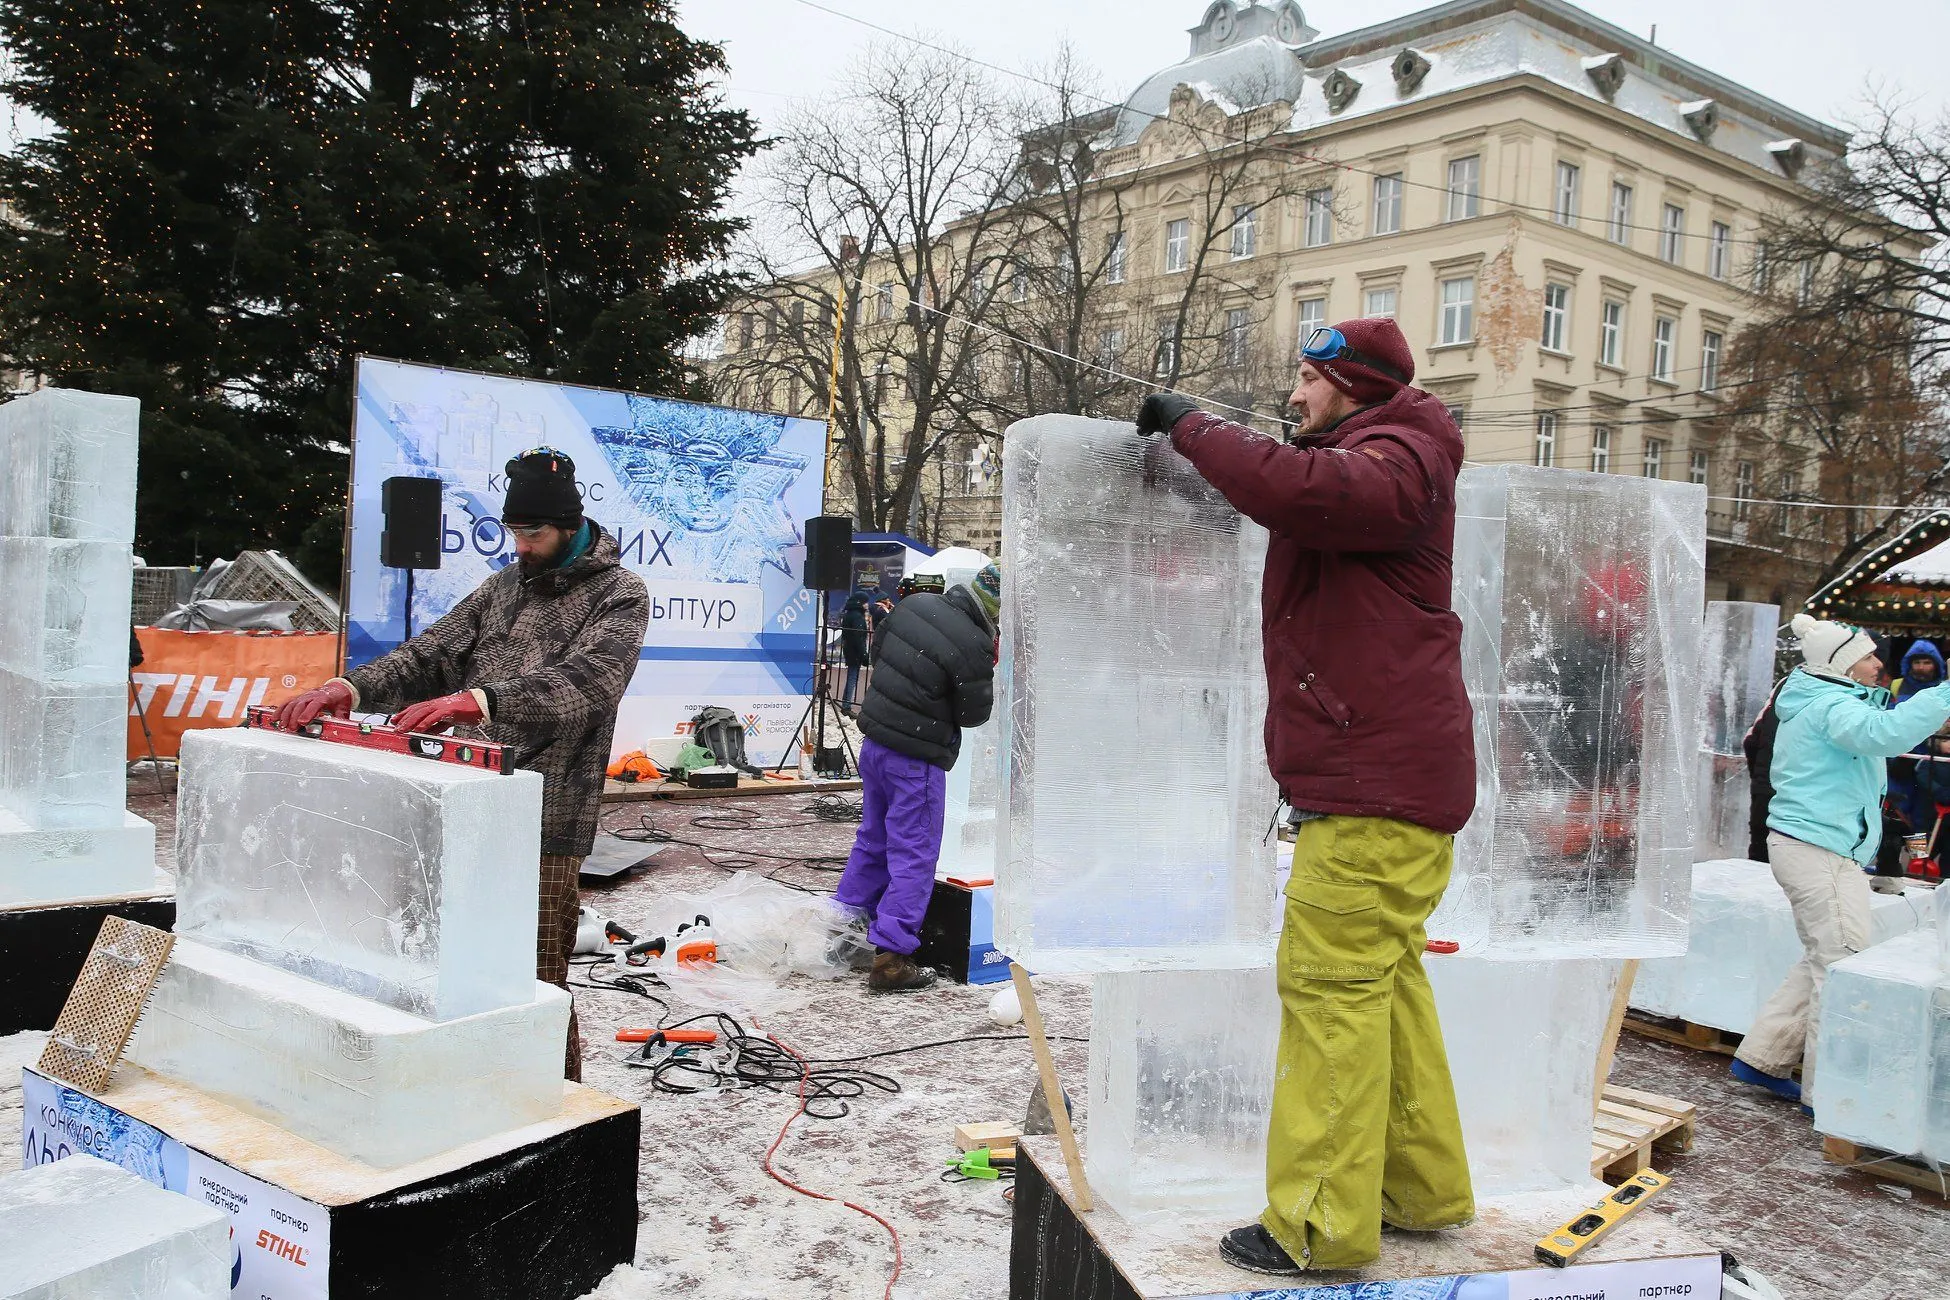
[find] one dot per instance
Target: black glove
(1161, 411)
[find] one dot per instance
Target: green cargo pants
(1364, 1126)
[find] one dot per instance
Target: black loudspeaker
(411, 538)
(829, 553)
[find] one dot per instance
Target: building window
(1381, 302)
(1696, 472)
(1611, 334)
(1804, 292)
(1719, 251)
(1601, 449)
(1388, 204)
(1655, 457)
(1663, 330)
(1320, 217)
(1245, 235)
(1557, 316)
(1178, 245)
(883, 301)
(1110, 346)
(1459, 310)
(1313, 314)
(1564, 210)
(1116, 258)
(1743, 488)
(1458, 414)
(744, 329)
(1545, 452)
(1709, 362)
(1165, 359)
(1672, 228)
(1465, 187)
(1762, 269)
(1019, 284)
(1619, 229)
(881, 372)
(1238, 327)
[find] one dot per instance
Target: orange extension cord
(805, 1071)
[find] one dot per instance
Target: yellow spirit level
(1569, 1241)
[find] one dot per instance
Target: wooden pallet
(1683, 1032)
(1631, 1125)
(1882, 1165)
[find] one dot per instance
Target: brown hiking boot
(895, 972)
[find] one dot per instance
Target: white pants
(1830, 897)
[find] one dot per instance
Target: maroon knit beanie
(1378, 340)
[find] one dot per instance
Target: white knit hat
(1831, 648)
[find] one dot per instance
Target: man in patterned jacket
(535, 658)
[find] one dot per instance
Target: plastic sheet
(1580, 596)
(1743, 945)
(82, 1227)
(410, 882)
(1137, 799)
(1883, 1069)
(763, 929)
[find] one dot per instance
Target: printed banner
(280, 1244)
(1683, 1277)
(208, 679)
(706, 502)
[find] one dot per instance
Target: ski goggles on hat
(550, 452)
(1328, 344)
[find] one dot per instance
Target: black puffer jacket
(935, 675)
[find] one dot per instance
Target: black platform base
(539, 1213)
(958, 935)
(42, 948)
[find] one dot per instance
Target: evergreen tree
(239, 197)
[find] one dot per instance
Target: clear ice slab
(1130, 635)
(1743, 945)
(1182, 1067)
(66, 616)
(358, 1077)
(1883, 1075)
(410, 882)
(63, 749)
(1737, 671)
(968, 824)
(70, 466)
(1580, 598)
(40, 866)
(81, 1228)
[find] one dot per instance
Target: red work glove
(298, 711)
(460, 709)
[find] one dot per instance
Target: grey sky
(1811, 55)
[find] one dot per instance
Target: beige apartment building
(1562, 216)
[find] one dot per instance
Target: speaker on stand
(411, 537)
(829, 567)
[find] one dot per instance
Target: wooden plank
(1637, 1134)
(1684, 1034)
(989, 1133)
(1654, 1122)
(1059, 1108)
(1650, 1101)
(1608, 1045)
(747, 787)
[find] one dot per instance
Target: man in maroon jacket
(1368, 734)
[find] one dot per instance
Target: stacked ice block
(968, 825)
(80, 1228)
(1130, 630)
(1737, 671)
(1580, 597)
(1743, 944)
(67, 519)
(1884, 1079)
(357, 946)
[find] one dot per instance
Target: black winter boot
(1253, 1248)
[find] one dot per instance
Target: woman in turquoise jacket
(1824, 823)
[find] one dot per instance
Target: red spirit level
(486, 755)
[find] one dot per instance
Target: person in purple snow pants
(935, 675)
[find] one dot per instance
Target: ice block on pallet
(1743, 945)
(70, 461)
(356, 1076)
(82, 1227)
(1182, 1066)
(1882, 1075)
(407, 881)
(1131, 646)
(1580, 598)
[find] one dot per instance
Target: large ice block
(968, 824)
(1137, 800)
(1181, 1085)
(1182, 1067)
(1743, 945)
(63, 747)
(1737, 672)
(1580, 598)
(80, 1228)
(38, 865)
(407, 881)
(1884, 1074)
(356, 1076)
(70, 466)
(66, 616)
